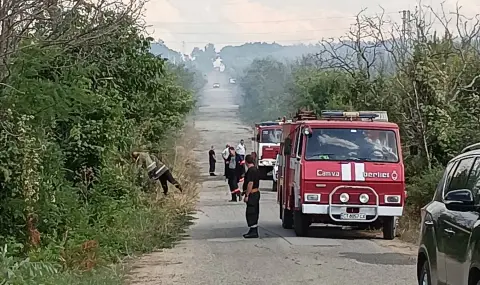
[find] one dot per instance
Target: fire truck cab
(266, 145)
(345, 168)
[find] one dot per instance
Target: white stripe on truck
(346, 172)
(359, 171)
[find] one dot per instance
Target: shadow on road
(273, 230)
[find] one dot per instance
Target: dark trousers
(226, 168)
(168, 177)
(253, 209)
(232, 180)
(212, 166)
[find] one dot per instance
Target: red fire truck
(266, 145)
(345, 168)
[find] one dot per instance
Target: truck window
(352, 144)
(298, 133)
(300, 143)
(271, 136)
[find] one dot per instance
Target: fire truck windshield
(271, 136)
(352, 144)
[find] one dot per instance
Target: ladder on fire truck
(304, 114)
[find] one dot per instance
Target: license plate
(353, 216)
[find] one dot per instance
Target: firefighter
(156, 170)
(235, 166)
(212, 159)
(251, 191)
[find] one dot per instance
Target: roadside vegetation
(428, 81)
(79, 90)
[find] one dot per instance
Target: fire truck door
(297, 166)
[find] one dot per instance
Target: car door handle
(449, 231)
(428, 223)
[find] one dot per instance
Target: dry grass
(182, 162)
(409, 226)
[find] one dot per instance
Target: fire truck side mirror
(413, 149)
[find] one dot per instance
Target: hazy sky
(233, 22)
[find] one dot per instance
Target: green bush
(71, 111)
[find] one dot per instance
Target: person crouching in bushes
(156, 169)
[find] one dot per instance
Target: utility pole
(409, 25)
(406, 26)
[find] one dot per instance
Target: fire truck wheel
(274, 186)
(389, 228)
(287, 219)
(286, 215)
(300, 224)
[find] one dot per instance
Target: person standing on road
(251, 191)
(225, 154)
(235, 166)
(241, 149)
(212, 159)
(156, 169)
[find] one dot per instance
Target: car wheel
(424, 276)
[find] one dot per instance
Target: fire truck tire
(287, 219)
(301, 224)
(286, 215)
(389, 228)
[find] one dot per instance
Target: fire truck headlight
(344, 197)
(312, 197)
(392, 199)
(364, 198)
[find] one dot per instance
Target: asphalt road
(216, 253)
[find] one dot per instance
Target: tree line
(79, 90)
(428, 81)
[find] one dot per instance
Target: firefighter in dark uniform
(235, 166)
(251, 191)
(156, 169)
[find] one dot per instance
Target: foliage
(428, 84)
(202, 59)
(70, 113)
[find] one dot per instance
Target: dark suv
(449, 251)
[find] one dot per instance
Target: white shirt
(225, 153)
(240, 149)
